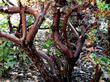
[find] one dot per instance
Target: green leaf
(1, 71)
(2, 4)
(59, 54)
(42, 0)
(103, 59)
(9, 64)
(48, 44)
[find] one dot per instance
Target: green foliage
(47, 45)
(80, 1)
(69, 1)
(59, 53)
(92, 35)
(50, 49)
(42, 0)
(102, 5)
(2, 4)
(61, 24)
(46, 24)
(1, 71)
(103, 61)
(30, 20)
(3, 22)
(8, 52)
(7, 57)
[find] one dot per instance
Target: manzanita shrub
(68, 18)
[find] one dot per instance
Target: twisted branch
(36, 25)
(10, 37)
(23, 22)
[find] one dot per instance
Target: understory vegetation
(55, 41)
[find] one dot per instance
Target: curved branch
(36, 25)
(65, 24)
(23, 22)
(98, 74)
(15, 9)
(49, 60)
(80, 43)
(56, 37)
(34, 29)
(62, 47)
(10, 37)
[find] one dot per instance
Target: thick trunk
(39, 64)
(35, 58)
